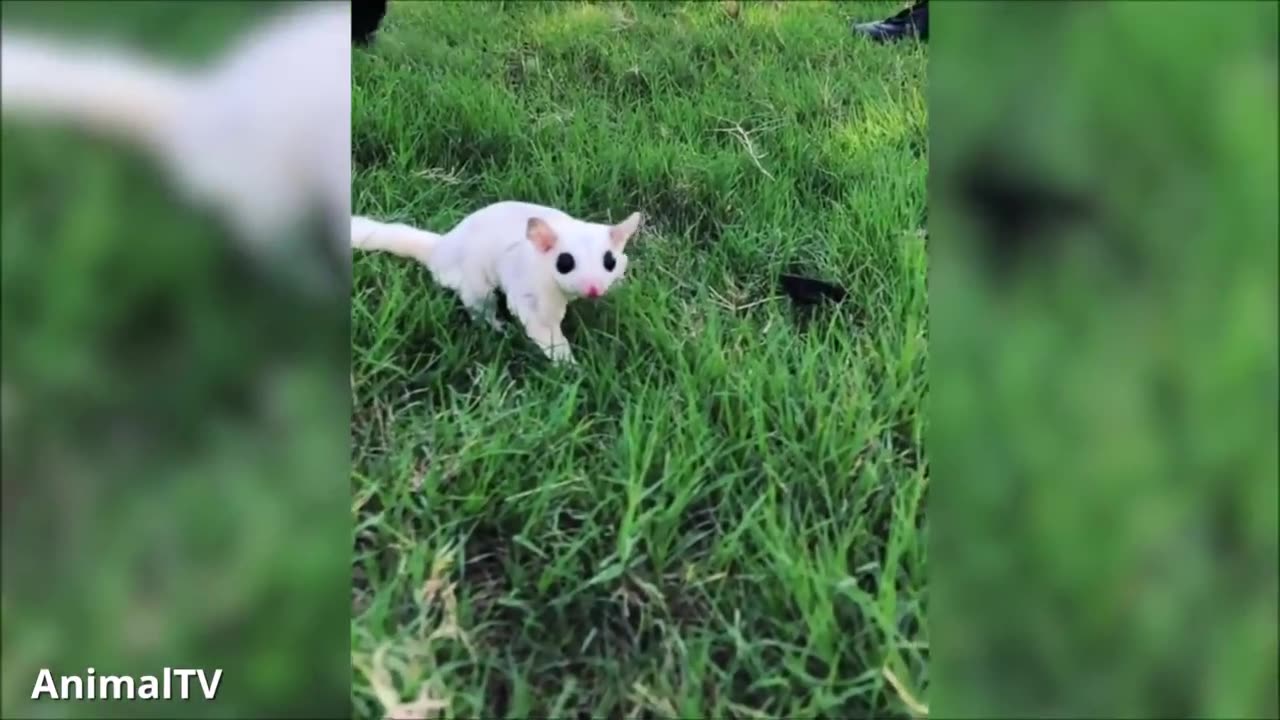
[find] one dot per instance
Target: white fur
(395, 238)
(493, 249)
(262, 134)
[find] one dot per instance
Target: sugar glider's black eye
(564, 263)
(609, 261)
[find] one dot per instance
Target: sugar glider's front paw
(562, 355)
(559, 353)
(551, 341)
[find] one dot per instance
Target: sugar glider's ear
(619, 234)
(540, 234)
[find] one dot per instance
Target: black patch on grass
(1018, 212)
(804, 290)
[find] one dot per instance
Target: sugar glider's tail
(395, 238)
(102, 89)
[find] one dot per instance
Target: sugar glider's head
(585, 259)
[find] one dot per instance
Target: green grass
(719, 512)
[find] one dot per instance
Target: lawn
(720, 510)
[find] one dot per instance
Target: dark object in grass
(1018, 211)
(911, 22)
(807, 291)
(366, 16)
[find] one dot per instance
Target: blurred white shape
(262, 134)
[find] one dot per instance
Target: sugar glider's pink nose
(593, 291)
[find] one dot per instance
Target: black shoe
(366, 16)
(911, 22)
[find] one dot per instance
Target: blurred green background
(175, 423)
(1103, 417)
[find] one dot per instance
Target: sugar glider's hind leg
(479, 300)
